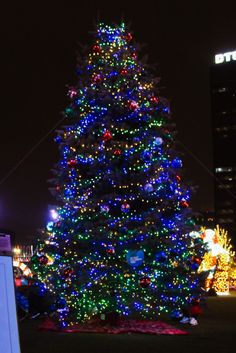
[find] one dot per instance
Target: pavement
(215, 333)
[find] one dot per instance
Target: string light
(118, 187)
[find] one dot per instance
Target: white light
(225, 57)
(17, 251)
(219, 59)
(223, 169)
(209, 235)
(54, 214)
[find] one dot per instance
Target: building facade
(223, 99)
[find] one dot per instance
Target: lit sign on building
(226, 57)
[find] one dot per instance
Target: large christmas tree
(119, 241)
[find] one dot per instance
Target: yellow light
(17, 251)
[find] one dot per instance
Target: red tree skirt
(125, 326)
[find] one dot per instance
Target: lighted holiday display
(22, 267)
(21, 257)
(121, 240)
(232, 274)
(217, 259)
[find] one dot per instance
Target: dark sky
(38, 52)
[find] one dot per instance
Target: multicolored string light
(119, 188)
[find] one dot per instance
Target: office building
(223, 99)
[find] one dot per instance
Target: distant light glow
(223, 169)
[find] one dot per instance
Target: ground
(216, 333)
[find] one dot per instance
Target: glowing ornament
(135, 257)
(18, 282)
(58, 224)
(72, 92)
(191, 222)
(107, 136)
(173, 252)
(146, 155)
(24, 282)
(68, 272)
(96, 48)
(136, 139)
(161, 257)
(134, 56)
(110, 250)
(72, 163)
(165, 163)
(145, 282)
(176, 314)
(183, 203)
(105, 208)
(96, 78)
(43, 260)
(133, 105)
(195, 308)
(50, 226)
(196, 260)
(58, 139)
(51, 259)
(117, 152)
(69, 111)
(154, 100)
(176, 163)
(148, 187)
(158, 141)
(125, 207)
(54, 214)
(124, 72)
(128, 37)
(194, 266)
(178, 178)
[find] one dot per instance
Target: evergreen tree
(119, 241)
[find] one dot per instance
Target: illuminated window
(223, 169)
(224, 186)
(226, 220)
(228, 178)
(225, 211)
(222, 128)
(222, 89)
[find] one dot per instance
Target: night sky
(38, 51)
